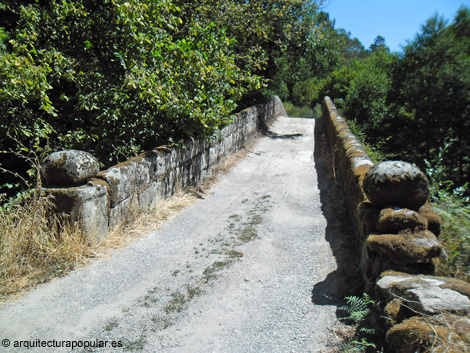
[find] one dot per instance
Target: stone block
(406, 247)
(368, 215)
(86, 204)
(148, 197)
(124, 212)
(163, 164)
(396, 183)
(396, 219)
(69, 168)
(438, 334)
(127, 179)
(427, 295)
(434, 221)
(214, 155)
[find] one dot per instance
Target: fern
(358, 309)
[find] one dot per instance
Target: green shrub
(455, 234)
(359, 309)
(299, 112)
(113, 77)
(453, 206)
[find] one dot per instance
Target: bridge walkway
(233, 273)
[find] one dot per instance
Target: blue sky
(395, 20)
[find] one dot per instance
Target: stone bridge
(262, 263)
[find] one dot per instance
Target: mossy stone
(396, 219)
(437, 334)
(69, 168)
(434, 220)
(429, 295)
(396, 183)
(405, 248)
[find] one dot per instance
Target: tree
(431, 93)
(379, 44)
(114, 77)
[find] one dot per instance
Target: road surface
(233, 273)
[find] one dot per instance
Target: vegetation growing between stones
(358, 309)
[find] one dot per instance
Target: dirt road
(233, 273)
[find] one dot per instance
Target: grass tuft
(37, 245)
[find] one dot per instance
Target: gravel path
(233, 273)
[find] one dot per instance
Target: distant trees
(412, 105)
(431, 94)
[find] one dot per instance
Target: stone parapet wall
(397, 232)
(112, 196)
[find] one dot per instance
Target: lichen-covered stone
(368, 214)
(427, 294)
(127, 179)
(85, 204)
(396, 219)
(68, 168)
(438, 334)
(434, 221)
(406, 247)
(396, 183)
(394, 311)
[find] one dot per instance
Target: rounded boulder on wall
(69, 168)
(396, 183)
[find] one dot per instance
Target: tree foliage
(409, 105)
(115, 72)
(431, 94)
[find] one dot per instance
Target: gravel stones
(68, 168)
(396, 183)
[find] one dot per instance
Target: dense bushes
(117, 77)
(117, 72)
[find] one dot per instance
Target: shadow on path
(340, 233)
(274, 135)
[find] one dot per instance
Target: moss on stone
(393, 312)
(439, 334)
(361, 172)
(395, 220)
(406, 248)
(434, 221)
(99, 182)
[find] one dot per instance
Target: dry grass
(37, 246)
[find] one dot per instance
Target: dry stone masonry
(101, 200)
(72, 167)
(398, 234)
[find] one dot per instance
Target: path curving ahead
(233, 273)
